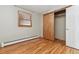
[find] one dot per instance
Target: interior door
(48, 26)
(70, 22)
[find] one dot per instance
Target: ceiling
(41, 8)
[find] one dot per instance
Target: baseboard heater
(3, 44)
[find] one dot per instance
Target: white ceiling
(41, 8)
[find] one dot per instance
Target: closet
(63, 25)
(54, 25)
(59, 24)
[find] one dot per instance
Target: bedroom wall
(9, 29)
(41, 25)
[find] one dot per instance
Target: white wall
(41, 25)
(60, 27)
(76, 13)
(9, 29)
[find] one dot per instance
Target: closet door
(70, 26)
(48, 26)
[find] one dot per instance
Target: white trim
(2, 44)
(5, 44)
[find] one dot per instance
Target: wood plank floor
(38, 46)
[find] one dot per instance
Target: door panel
(48, 26)
(70, 22)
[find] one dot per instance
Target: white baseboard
(2, 44)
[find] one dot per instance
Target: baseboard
(3, 44)
(72, 47)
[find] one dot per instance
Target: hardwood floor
(38, 46)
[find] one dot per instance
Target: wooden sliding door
(48, 26)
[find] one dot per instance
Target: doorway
(60, 25)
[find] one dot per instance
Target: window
(24, 19)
